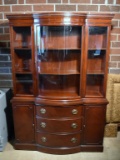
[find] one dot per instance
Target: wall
(28, 6)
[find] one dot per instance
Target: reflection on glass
(24, 84)
(58, 49)
(59, 85)
(23, 60)
(22, 37)
(58, 60)
(96, 61)
(94, 85)
(58, 37)
(97, 45)
(97, 38)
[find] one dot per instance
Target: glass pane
(59, 85)
(97, 45)
(59, 62)
(97, 38)
(94, 86)
(22, 37)
(24, 84)
(58, 37)
(23, 60)
(96, 62)
(58, 49)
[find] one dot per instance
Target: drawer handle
(42, 110)
(74, 125)
(74, 111)
(44, 139)
(43, 124)
(73, 140)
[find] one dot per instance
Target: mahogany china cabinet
(59, 67)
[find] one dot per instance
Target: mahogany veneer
(59, 66)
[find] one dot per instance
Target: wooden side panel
(94, 124)
(23, 123)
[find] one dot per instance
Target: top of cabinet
(59, 18)
(68, 14)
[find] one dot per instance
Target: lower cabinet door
(94, 124)
(24, 123)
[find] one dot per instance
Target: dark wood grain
(59, 69)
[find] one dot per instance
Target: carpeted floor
(111, 152)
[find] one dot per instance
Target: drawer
(59, 125)
(59, 112)
(58, 140)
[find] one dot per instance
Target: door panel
(94, 124)
(23, 123)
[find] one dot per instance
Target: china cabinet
(59, 66)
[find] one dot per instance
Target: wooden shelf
(93, 93)
(57, 72)
(24, 81)
(23, 72)
(97, 48)
(22, 48)
(95, 72)
(58, 94)
(52, 49)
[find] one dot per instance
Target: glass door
(22, 60)
(96, 61)
(58, 61)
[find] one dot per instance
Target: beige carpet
(111, 152)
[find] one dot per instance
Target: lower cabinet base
(61, 150)
(25, 146)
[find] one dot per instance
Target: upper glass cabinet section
(58, 60)
(58, 49)
(96, 61)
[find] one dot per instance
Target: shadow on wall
(9, 115)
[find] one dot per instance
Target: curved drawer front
(64, 125)
(59, 112)
(58, 140)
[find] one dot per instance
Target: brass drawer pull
(74, 140)
(74, 125)
(42, 110)
(44, 139)
(74, 111)
(43, 124)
